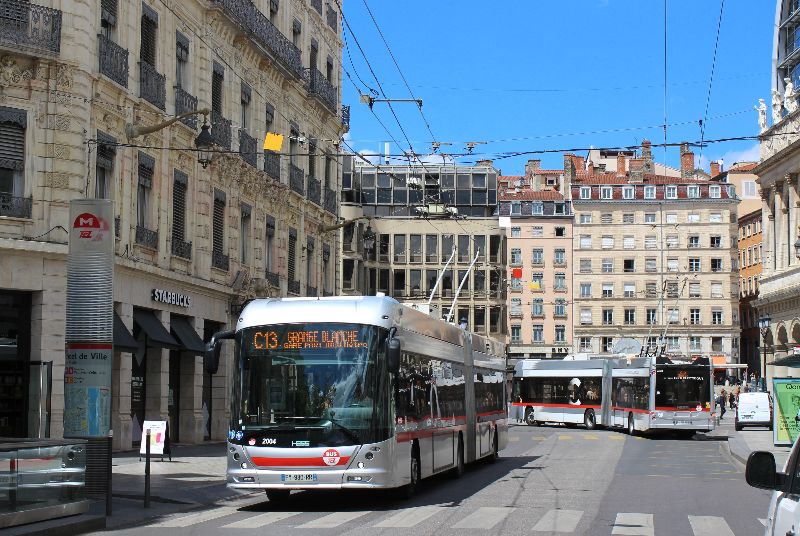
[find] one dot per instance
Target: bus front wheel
(530, 420)
(589, 419)
(631, 425)
(459, 470)
(408, 491)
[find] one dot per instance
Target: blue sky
(546, 70)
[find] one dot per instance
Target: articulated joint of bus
(351, 466)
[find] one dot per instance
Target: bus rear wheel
(495, 447)
(530, 420)
(589, 419)
(459, 469)
(631, 425)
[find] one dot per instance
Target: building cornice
(33, 246)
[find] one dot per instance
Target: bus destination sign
(307, 339)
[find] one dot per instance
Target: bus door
(606, 406)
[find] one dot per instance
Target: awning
(788, 361)
(123, 340)
(720, 363)
(157, 336)
(186, 335)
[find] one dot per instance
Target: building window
(627, 192)
(714, 192)
(537, 231)
(607, 266)
(537, 209)
(560, 307)
(672, 241)
(672, 217)
(537, 333)
(217, 85)
(716, 316)
(650, 289)
(629, 265)
(516, 257)
(537, 307)
(415, 246)
(694, 316)
(672, 289)
(586, 192)
(715, 217)
(586, 290)
(218, 224)
(585, 344)
(244, 233)
(431, 247)
(245, 117)
(694, 264)
(537, 258)
(586, 242)
(693, 192)
(181, 61)
(671, 192)
(561, 231)
(628, 218)
(146, 166)
(650, 264)
(586, 266)
(649, 192)
(672, 264)
(559, 281)
(694, 241)
(628, 242)
(694, 289)
(608, 317)
(693, 217)
(516, 283)
(673, 343)
(606, 218)
(651, 315)
(716, 344)
(586, 316)
(608, 242)
(108, 17)
(149, 36)
(179, 187)
(650, 217)
(559, 256)
(400, 248)
(630, 316)
(516, 333)
(269, 244)
(605, 192)
(537, 281)
(104, 169)
(586, 218)
(629, 290)
(749, 189)
(608, 290)
(516, 208)
(694, 343)
(673, 315)
(560, 334)
(607, 343)
(650, 242)
(716, 241)
(516, 232)
(311, 266)
(716, 265)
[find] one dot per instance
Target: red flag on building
(516, 272)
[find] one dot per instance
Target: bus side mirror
(212, 351)
(393, 355)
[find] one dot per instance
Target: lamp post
(204, 142)
(764, 324)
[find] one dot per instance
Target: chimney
(636, 170)
(569, 168)
(714, 169)
(687, 161)
(647, 155)
(533, 165)
(620, 165)
(485, 163)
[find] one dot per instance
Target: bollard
(108, 475)
(147, 470)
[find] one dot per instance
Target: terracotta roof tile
(531, 195)
(744, 167)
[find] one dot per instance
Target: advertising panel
(87, 390)
(786, 410)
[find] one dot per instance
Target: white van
(754, 409)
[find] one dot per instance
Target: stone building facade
(653, 256)
(75, 75)
(750, 269)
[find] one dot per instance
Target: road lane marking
(484, 517)
(564, 437)
(260, 520)
(615, 437)
(634, 525)
(409, 517)
(559, 521)
(333, 520)
(512, 439)
(196, 518)
(591, 436)
(709, 526)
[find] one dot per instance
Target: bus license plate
(299, 477)
(683, 422)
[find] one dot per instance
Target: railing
(515, 313)
(113, 60)
(181, 249)
(346, 116)
(248, 148)
(152, 85)
(272, 165)
(15, 207)
(220, 260)
(311, 291)
(314, 191)
(273, 279)
(221, 130)
(296, 179)
(294, 287)
(264, 33)
(317, 4)
(186, 102)
(146, 237)
(333, 19)
(330, 201)
(320, 87)
(30, 26)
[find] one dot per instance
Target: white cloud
(750, 154)
(372, 156)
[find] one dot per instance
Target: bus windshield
(683, 386)
(322, 384)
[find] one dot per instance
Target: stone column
(191, 396)
(220, 389)
(767, 231)
(157, 378)
(121, 387)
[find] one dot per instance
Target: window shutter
(146, 165)
(216, 88)
(12, 138)
(147, 51)
(292, 247)
(108, 10)
(246, 93)
(218, 222)
(179, 187)
(270, 226)
(181, 46)
(106, 150)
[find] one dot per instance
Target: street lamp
(763, 324)
(203, 141)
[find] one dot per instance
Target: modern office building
(653, 256)
(77, 78)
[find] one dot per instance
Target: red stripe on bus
(526, 404)
(675, 408)
(296, 462)
(632, 410)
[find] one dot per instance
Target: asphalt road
(550, 480)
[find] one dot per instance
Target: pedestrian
(721, 403)
(732, 400)
(520, 410)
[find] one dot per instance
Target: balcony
(330, 201)
(263, 34)
(152, 85)
(273, 279)
(113, 61)
(346, 116)
(248, 148)
(297, 179)
(220, 261)
(15, 207)
(220, 130)
(322, 89)
(181, 249)
(147, 238)
(515, 313)
(272, 165)
(314, 191)
(185, 102)
(31, 27)
(294, 287)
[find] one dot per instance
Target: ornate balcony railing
(294, 287)
(113, 60)
(273, 278)
(320, 87)
(311, 291)
(186, 102)
(221, 130)
(346, 116)
(30, 26)
(117, 225)
(314, 190)
(15, 207)
(263, 33)
(272, 165)
(333, 19)
(152, 85)
(220, 260)
(296, 179)
(248, 148)
(146, 237)
(181, 249)
(317, 4)
(330, 201)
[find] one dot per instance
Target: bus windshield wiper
(350, 433)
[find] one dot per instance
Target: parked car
(784, 509)
(754, 409)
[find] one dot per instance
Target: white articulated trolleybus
(357, 392)
(637, 393)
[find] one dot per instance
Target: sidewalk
(742, 443)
